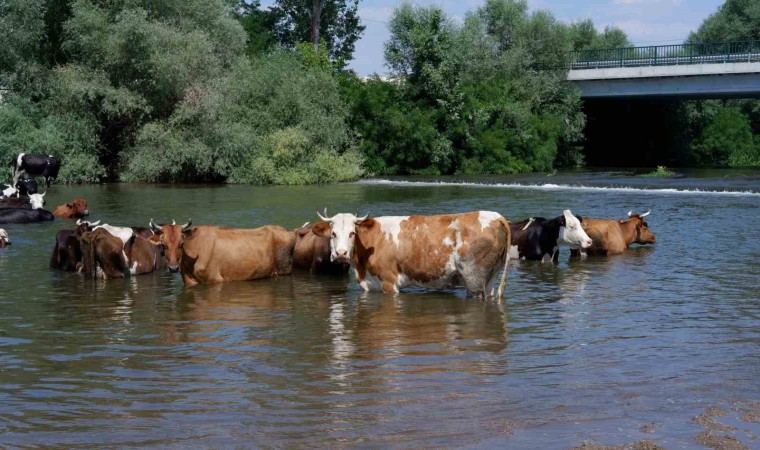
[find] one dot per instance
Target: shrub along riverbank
(226, 91)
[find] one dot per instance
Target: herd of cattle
(387, 253)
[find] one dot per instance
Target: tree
(258, 25)
(735, 20)
(334, 22)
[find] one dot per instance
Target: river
(607, 350)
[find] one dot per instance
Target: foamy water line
(560, 187)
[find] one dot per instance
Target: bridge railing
(667, 55)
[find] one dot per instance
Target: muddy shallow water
(610, 351)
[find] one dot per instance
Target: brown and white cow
(102, 254)
(4, 239)
(209, 254)
(76, 209)
(611, 237)
(312, 253)
(443, 251)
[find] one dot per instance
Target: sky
(647, 22)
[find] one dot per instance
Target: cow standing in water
(67, 253)
(35, 166)
(312, 253)
(539, 239)
(444, 251)
(209, 254)
(4, 239)
(612, 237)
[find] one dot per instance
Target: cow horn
(187, 225)
(173, 222)
(325, 218)
(647, 213)
(79, 222)
(92, 224)
(630, 213)
(359, 219)
(154, 227)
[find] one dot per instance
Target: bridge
(709, 70)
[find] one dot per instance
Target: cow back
(217, 254)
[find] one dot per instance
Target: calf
(389, 253)
(614, 236)
(102, 254)
(4, 239)
(75, 209)
(67, 253)
(35, 166)
(540, 239)
(312, 253)
(209, 254)
(23, 215)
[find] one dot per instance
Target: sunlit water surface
(582, 350)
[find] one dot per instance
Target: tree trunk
(316, 15)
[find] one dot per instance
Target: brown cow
(76, 209)
(102, 254)
(142, 256)
(312, 253)
(389, 253)
(209, 254)
(612, 237)
(67, 253)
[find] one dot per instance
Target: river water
(608, 350)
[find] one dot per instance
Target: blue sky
(647, 22)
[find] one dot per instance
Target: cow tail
(503, 280)
(88, 259)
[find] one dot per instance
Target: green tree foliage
(728, 140)
(718, 130)
(162, 91)
(735, 20)
(480, 97)
(335, 23)
(584, 36)
(272, 120)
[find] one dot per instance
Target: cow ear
(188, 232)
(155, 240)
(322, 229)
(70, 205)
(367, 223)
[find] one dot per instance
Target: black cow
(67, 254)
(539, 239)
(35, 166)
(21, 215)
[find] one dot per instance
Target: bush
(728, 141)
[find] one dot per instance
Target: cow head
(27, 186)
(4, 239)
(571, 233)
(37, 200)
(341, 229)
(78, 207)
(171, 238)
(83, 226)
(643, 235)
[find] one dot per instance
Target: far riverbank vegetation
(230, 91)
